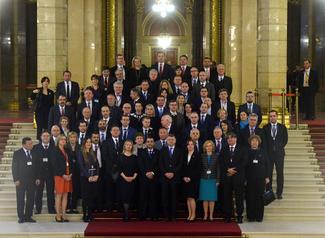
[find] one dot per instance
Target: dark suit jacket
(193, 168)
(168, 72)
(44, 164)
(225, 83)
(150, 98)
(147, 163)
(238, 161)
(75, 92)
(231, 109)
(275, 147)
(171, 164)
(21, 171)
(109, 87)
(111, 156)
(257, 165)
(59, 162)
(313, 81)
(244, 134)
(95, 110)
(165, 110)
(55, 114)
(256, 109)
(186, 75)
(130, 133)
(136, 77)
(223, 144)
(213, 166)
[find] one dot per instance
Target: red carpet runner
(108, 228)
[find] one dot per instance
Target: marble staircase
(304, 188)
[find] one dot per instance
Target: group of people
(149, 139)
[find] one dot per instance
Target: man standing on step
(25, 178)
(276, 138)
(41, 154)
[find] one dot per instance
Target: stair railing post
(270, 99)
(283, 106)
(297, 109)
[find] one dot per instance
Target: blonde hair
(84, 151)
(206, 144)
(130, 141)
(135, 58)
(60, 137)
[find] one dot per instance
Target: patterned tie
(124, 134)
(273, 131)
(29, 156)
(62, 111)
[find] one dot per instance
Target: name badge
(209, 171)
(67, 164)
(45, 160)
(96, 100)
(29, 163)
(255, 161)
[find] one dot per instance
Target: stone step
(12, 202)
(18, 142)
(11, 194)
(22, 124)
(302, 149)
(23, 131)
(20, 137)
(299, 137)
(301, 155)
(39, 218)
(289, 217)
(299, 143)
(300, 195)
(272, 209)
(305, 203)
(300, 161)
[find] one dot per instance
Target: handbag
(268, 197)
(36, 102)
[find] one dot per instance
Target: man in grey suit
(203, 83)
(163, 133)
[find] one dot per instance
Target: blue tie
(170, 152)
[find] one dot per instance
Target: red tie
(183, 70)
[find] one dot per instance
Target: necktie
(96, 148)
(150, 153)
(124, 134)
(106, 82)
(68, 91)
(252, 132)
(160, 68)
(46, 147)
(202, 118)
(197, 146)
(88, 105)
(170, 151)
(183, 70)
(163, 143)
(116, 144)
(218, 146)
(29, 156)
(102, 137)
(306, 79)
(273, 131)
(82, 136)
(193, 82)
(145, 133)
(145, 96)
(160, 111)
(194, 127)
(62, 111)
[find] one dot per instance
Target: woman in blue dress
(209, 179)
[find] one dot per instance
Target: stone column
(272, 47)
(51, 39)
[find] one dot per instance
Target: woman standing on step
(43, 100)
(191, 177)
(209, 179)
(62, 165)
(89, 171)
(128, 175)
(257, 171)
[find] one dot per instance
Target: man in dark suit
(229, 106)
(69, 89)
(148, 163)
(185, 91)
(176, 85)
(178, 120)
(89, 102)
(275, 139)
(147, 96)
(127, 132)
(107, 118)
(251, 129)
(197, 101)
(41, 154)
(194, 77)
(194, 124)
(120, 94)
(203, 83)
(162, 141)
(120, 64)
(90, 122)
(233, 159)
(170, 164)
(186, 69)
(115, 111)
(208, 69)
(25, 176)
(105, 81)
(154, 81)
(59, 110)
(221, 80)
(83, 132)
(135, 97)
(250, 107)
(160, 108)
(111, 149)
(206, 121)
(165, 71)
(308, 86)
(146, 128)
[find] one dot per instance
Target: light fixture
(164, 40)
(163, 7)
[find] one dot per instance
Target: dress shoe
(38, 212)
(239, 220)
(74, 211)
(30, 220)
(154, 219)
(58, 220)
(126, 219)
(279, 197)
(227, 220)
(20, 221)
(69, 211)
(259, 220)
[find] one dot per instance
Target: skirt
(62, 186)
(208, 190)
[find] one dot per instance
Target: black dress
(42, 105)
(137, 75)
(191, 169)
(128, 165)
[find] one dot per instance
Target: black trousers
(89, 193)
(221, 197)
(148, 198)
(25, 209)
(100, 203)
(42, 119)
(75, 195)
(236, 185)
(254, 199)
(169, 197)
(49, 183)
(278, 161)
(308, 101)
(111, 194)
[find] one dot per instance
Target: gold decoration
(109, 32)
(216, 28)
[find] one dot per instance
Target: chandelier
(164, 40)
(163, 7)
